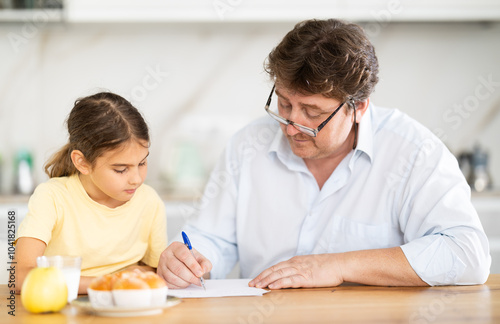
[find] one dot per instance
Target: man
(332, 189)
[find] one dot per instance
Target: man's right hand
(178, 267)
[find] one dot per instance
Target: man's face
(336, 138)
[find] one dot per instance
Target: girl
(95, 204)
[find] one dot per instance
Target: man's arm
(381, 267)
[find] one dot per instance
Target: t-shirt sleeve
(41, 217)
(158, 236)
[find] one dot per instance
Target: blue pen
(188, 244)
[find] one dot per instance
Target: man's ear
(80, 162)
(361, 109)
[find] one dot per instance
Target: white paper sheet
(218, 288)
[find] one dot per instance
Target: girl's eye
(120, 171)
(142, 164)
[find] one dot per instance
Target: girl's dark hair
(328, 57)
(96, 124)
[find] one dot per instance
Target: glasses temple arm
(270, 97)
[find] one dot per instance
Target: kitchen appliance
(474, 165)
(24, 181)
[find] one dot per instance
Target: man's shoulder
(391, 123)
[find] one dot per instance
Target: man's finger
(185, 256)
(273, 274)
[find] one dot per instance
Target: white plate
(84, 304)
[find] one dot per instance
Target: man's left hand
(319, 270)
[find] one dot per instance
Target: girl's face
(117, 174)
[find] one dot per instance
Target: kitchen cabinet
(35, 16)
(33, 11)
(279, 10)
(376, 11)
(382, 11)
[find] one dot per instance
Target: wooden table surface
(347, 303)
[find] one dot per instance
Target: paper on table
(219, 288)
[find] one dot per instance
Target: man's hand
(319, 270)
(178, 267)
(379, 267)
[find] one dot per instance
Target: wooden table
(347, 303)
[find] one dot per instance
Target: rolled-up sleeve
(444, 240)
(442, 260)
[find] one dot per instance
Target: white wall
(210, 82)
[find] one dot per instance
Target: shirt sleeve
(158, 235)
(444, 240)
(41, 218)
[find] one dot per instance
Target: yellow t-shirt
(61, 214)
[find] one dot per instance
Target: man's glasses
(304, 129)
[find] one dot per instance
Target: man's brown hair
(329, 57)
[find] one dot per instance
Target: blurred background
(195, 70)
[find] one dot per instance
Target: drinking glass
(70, 267)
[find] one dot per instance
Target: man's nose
(291, 130)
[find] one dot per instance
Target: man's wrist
(341, 266)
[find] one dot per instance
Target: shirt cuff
(434, 260)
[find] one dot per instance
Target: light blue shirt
(399, 187)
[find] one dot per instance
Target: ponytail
(60, 164)
(96, 124)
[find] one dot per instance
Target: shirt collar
(365, 134)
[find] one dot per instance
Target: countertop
(348, 303)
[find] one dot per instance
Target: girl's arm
(84, 284)
(27, 250)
